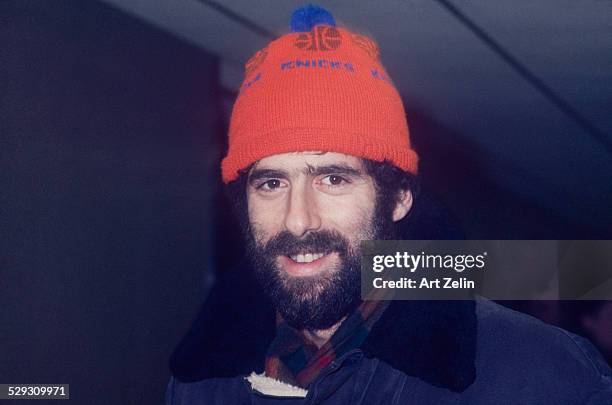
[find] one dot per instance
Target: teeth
(306, 257)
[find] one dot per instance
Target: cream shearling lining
(270, 386)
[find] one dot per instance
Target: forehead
(299, 160)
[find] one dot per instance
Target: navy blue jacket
(419, 352)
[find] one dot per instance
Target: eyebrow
(333, 169)
(258, 174)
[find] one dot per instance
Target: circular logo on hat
(256, 61)
(368, 45)
(321, 38)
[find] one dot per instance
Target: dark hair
(389, 180)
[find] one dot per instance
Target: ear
(403, 205)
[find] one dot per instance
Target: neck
(320, 337)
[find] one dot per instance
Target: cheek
(264, 217)
(351, 216)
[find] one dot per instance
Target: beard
(314, 302)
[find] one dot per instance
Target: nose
(302, 212)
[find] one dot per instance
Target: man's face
(308, 212)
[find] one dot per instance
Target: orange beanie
(322, 89)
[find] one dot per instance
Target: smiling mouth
(305, 264)
(306, 257)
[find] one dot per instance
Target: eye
(270, 185)
(333, 180)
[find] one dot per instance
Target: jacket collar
(434, 341)
(431, 340)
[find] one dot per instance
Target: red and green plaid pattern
(293, 359)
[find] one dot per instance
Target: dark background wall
(107, 155)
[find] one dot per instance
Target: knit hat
(317, 88)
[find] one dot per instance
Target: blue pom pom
(306, 17)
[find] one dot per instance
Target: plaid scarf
(294, 359)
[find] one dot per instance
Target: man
(319, 159)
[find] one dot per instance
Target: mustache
(287, 244)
